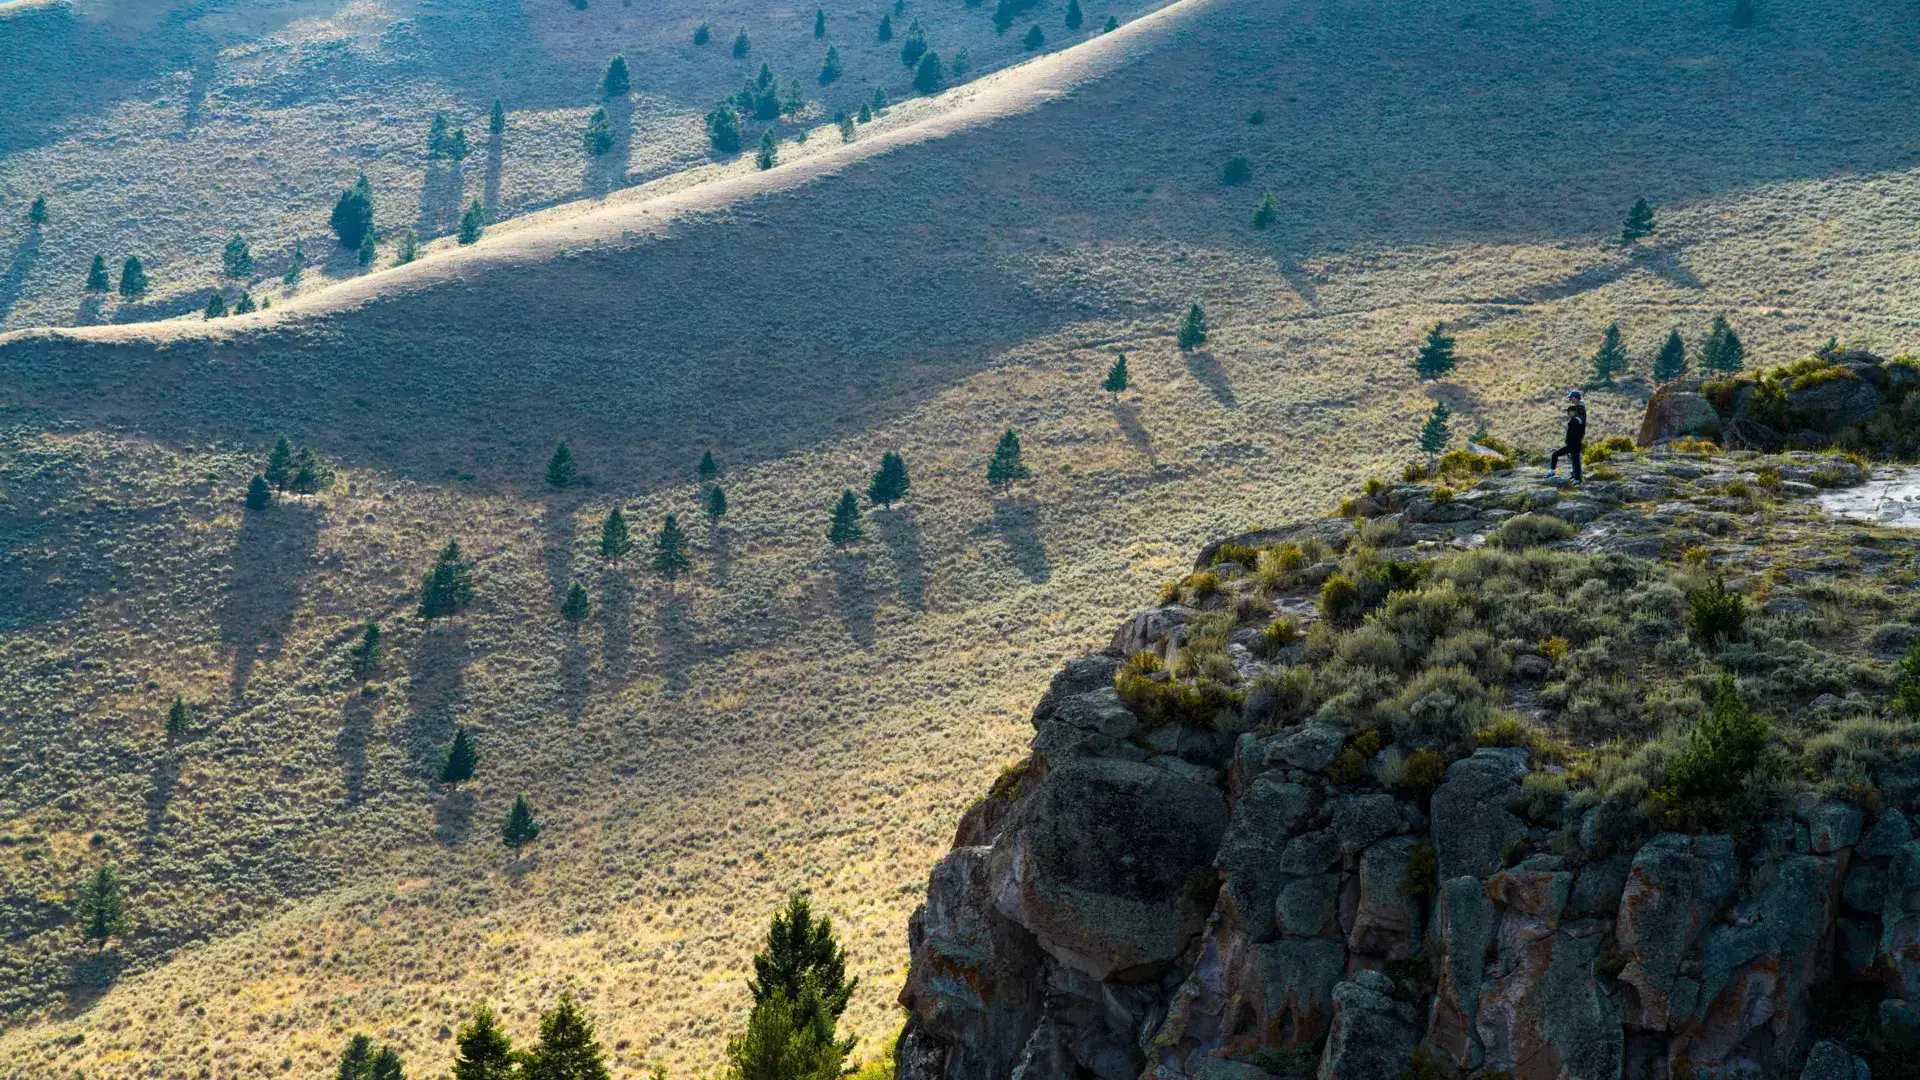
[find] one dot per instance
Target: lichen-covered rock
(1675, 413)
(1386, 921)
(1311, 853)
(1107, 865)
(1831, 824)
(1833, 405)
(1829, 1060)
(1359, 820)
(1294, 979)
(1597, 888)
(1077, 676)
(1371, 1036)
(1890, 830)
(1312, 746)
(1262, 821)
(1544, 1014)
(1900, 923)
(1223, 1069)
(1466, 921)
(1675, 884)
(1471, 824)
(1091, 723)
(1148, 631)
(1305, 907)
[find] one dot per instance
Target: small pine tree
(1257, 117)
(409, 249)
(1116, 381)
(437, 136)
(369, 247)
(885, 33)
(787, 1039)
(614, 539)
(830, 66)
(37, 213)
(890, 482)
(1611, 359)
(448, 587)
(97, 275)
(1113, 23)
(866, 114)
(387, 1065)
(497, 120)
(1722, 352)
(561, 470)
(899, 7)
(245, 304)
(279, 470)
(801, 953)
(259, 495)
(1193, 332)
(845, 528)
(1236, 171)
(741, 44)
(363, 659)
(961, 64)
(617, 81)
(296, 262)
(178, 719)
(670, 558)
(915, 46)
(133, 278)
(483, 1049)
(567, 1049)
(1723, 750)
(1435, 434)
(356, 1061)
(1003, 15)
(1034, 39)
(309, 473)
(1007, 467)
(1074, 18)
(216, 307)
(702, 34)
(472, 223)
(461, 758)
(1671, 362)
(575, 607)
(1266, 213)
(598, 138)
(1638, 222)
(929, 78)
(819, 24)
(708, 468)
(879, 101)
(845, 123)
(723, 129)
(519, 829)
(715, 504)
(100, 906)
(352, 218)
(1435, 357)
(457, 147)
(769, 154)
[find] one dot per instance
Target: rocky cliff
(1431, 789)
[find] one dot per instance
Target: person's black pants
(1571, 450)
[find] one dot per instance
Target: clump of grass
(1244, 554)
(1339, 598)
(1530, 530)
(1204, 586)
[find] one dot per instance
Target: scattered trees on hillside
(561, 470)
(1435, 434)
(1266, 213)
(178, 718)
(890, 481)
(1008, 467)
(519, 829)
(1116, 381)
(567, 1049)
(37, 212)
(216, 307)
(259, 495)
(1722, 353)
(236, 259)
(915, 45)
(369, 247)
(830, 66)
(301, 470)
(615, 541)
(574, 607)
(497, 120)
(819, 23)
(100, 906)
(245, 304)
(1611, 359)
(845, 528)
(723, 129)
(133, 278)
(929, 77)
(1193, 332)
(885, 32)
(409, 248)
(441, 145)
(1113, 23)
(1034, 39)
(448, 587)
(1236, 171)
(461, 759)
(617, 81)
(769, 153)
(670, 558)
(483, 1051)
(472, 224)
(708, 468)
(960, 64)
(1638, 222)
(799, 992)
(1435, 357)
(363, 659)
(715, 504)
(97, 275)
(1074, 17)
(1671, 362)
(741, 44)
(598, 138)
(352, 218)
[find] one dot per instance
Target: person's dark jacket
(1576, 424)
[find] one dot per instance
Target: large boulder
(1900, 923)
(1471, 824)
(1548, 1017)
(1262, 821)
(1835, 403)
(1675, 413)
(1110, 865)
(1466, 925)
(1675, 884)
(1386, 921)
(1093, 723)
(1829, 1060)
(1371, 1036)
(1293, 982)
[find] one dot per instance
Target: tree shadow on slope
(616, 625)
(271, 558)
(162, 782)
(1128, 419)
(490, 184)
(350, 746)
(435, 692)
(853, 596)
(13, 281)
(674, 645)
(901, 533)
(576, 671)
(443, 191)
(607, 173)
(453, 818)
(1207, 370)
(556, 544)
(93, 974)
(1018, 523)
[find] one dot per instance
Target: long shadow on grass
(616, 625)
(434, 695)
(1018, 523)
(719, 554)
(607, 172)
(674, 644)
(576, 671)
(14, 281)
(453, 818)
(901, 533)
(1128, 417)
(853, 594)
(442, 191)
(350, 746)
(161, 784)
(490, 185)
(271, 559)
(94, 973)
(556, 544)
(1210, 373)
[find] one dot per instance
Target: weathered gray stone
(1092, 723)
(1262, 821)
(1296, 978)
(1306, 906)
(1887, 834)
(1471, 824)
(1675, 884)
(1312, 746)
(1465, 930)
(1372, 1035)
(1865, 889)
(1831, 824)
(1596, 891)
(1548, 1017)
(1833, 405)
(1359, 820)
(1310, 853)
(1222, 1069)
(1387, 920)
(1675, 413)
(1828, 1060)
(1900, 923)
(1077, 676)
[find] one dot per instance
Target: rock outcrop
(1805, 405)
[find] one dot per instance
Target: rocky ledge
(1242, 879)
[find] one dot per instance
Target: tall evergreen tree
(741, 44)
(1611, 359)
(819, 23)
(830, 67)
(702, 34)
(715, 504)
(846, 521)
(279, 470)
(708, 468)
(915, 45)
(352, 218)
(614, 539)
(309, 473)
(1193, 332)
(1116, 380)
(296, 263)
(723, 129)
(1112, 24)
(1638, 222)
(356, 1061)
(178, 719)
(472, 223)
(1074, 17)
(574, 608)
(1722, 352)
(929, 77)
(1435, 434)
(890, 482)
(561, 470)
(1003, 15)
(461, 759)
(1034, 39)
(448, 587)
(519, 829)
(885, 33)
(961, 63)
(567, 1049)
(245, 304)
(598, 138)
(1671, 363)
(100, 906)
(216, 307)
(369, 247)
(1266, 213)
(483, 1049)
(259, 495)
(801, 952)
(387, 1065)
(457, 147)
(769, 154)
(97, 280)
(670, 558)
(617, 81)
(133, 278)
(1236, 171)
(37, 212)
(363, 659)
(409, 248)
(787, 1039)
(1008, 467)
(497, 120)
(437, 136)
(1435, 357)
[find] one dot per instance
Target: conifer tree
(1611, 359)
(97, 275)
(387, 1065)
(574, 608)
(483, 1049)
(1008, 467)
(567, 1049)
(617, 81)
(961, 63)
(296, 262)
(879, 101)
(279, 470)
(1435, 435)
(310, 473)
(216, 307)
(1435, 357)
(1113, 23)
(885, 33)
(915, 46)
(497, 120)
(1116, 380)
(448, 587)
(245, 304)
(865, 114)
(615, 542)
(437, 136)
(830, 67)
(259, 495)
(769, 154)
(702, 34)
(799, 991)
(899, 7)
(1236, 171)
(741, 44)
(457, 147)
(352, 218)
(846, 521)
(363, 659)
(1034, 38)
(708, 468)
(1074, 17)
(598, 138)
(133, 278)
(890, 482)
(1722, 352)
(356, 1061)
(519, 829)
(409, 249)
(178, 719)
(715, 504)
(819, 23)
(723, 129)
(1638, 222)
(561, 470)
(461, 758)
(369, 247)
(928, 78)
(1193, 332)
(472, 223)
(100, 906)
(1003, 15)
(1671, 363)
(37, 213)
(801, 952)
(670, 558)
(1266, 213)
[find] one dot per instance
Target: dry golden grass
(796, 717)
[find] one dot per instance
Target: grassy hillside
(796, 716)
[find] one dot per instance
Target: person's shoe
(1551, 471)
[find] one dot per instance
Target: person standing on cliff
(1576, 436)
